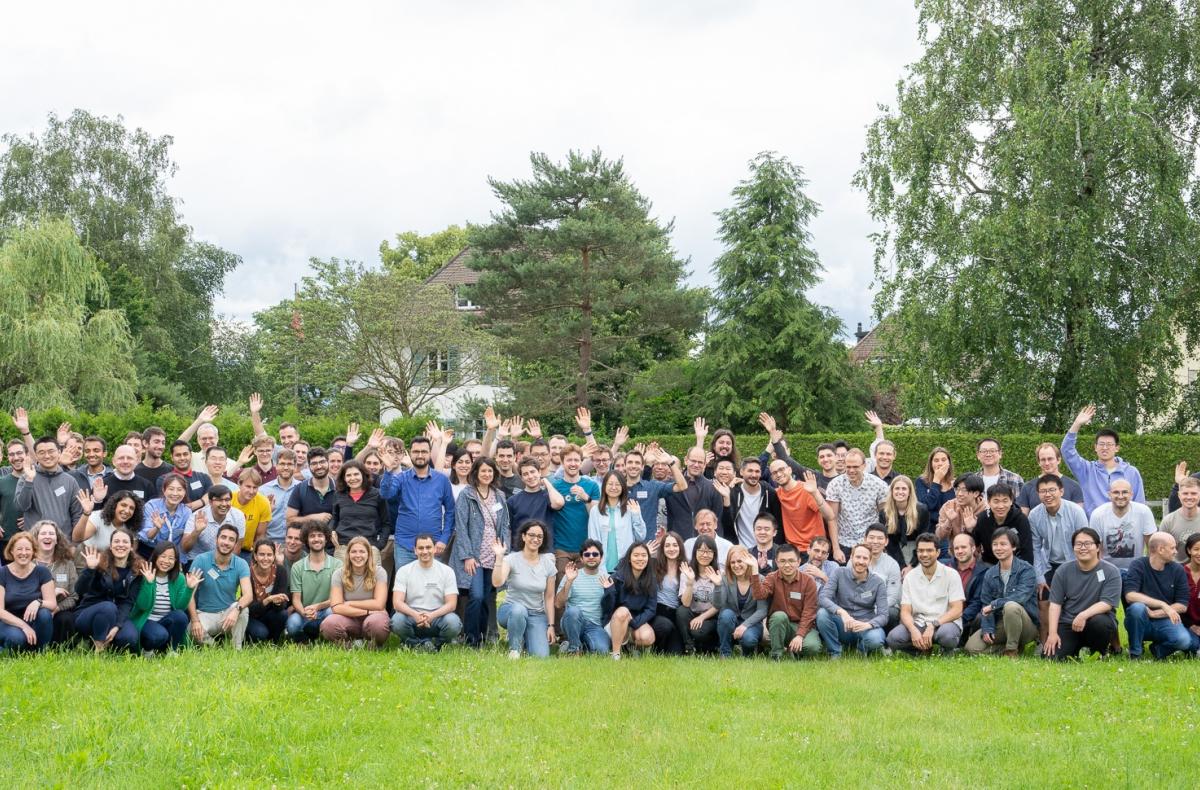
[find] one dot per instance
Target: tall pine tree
(768, 347)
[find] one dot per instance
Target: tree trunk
(585, 336)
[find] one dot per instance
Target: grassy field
(317, 717)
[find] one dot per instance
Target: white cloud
(308, 129)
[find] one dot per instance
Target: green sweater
(143, 599)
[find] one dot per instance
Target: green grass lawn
(320, 716)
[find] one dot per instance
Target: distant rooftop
(455, 271)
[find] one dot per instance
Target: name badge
(496, 508)
(60, 577)
(60, 491)
(195, 484)
(139, 494)
(1100, 575)
(212, 574)
(642, 494)
(795, 596)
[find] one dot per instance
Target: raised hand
(620, 437)
(1084, 417)
(518, 427)
(589, 447)
(147, 571)
(711, 574)
(256, 403)
(245, 455)
(208, 413)
(498, 549)
(352, 434)
(535, 429)
(810, 482)
(721, 489)
(1181, 472)
(21, 420)
(770, 426)
(376, 438)
(201, 520)
(85, 502)
(606, 581)
(873, 419)
(700, 428)
(99, 489)
(193, 579)
(433, 431)
(571, 571)
(91, 556)
(490, 420)
(158, 520)
(388, 456)
(686, 570)
(64, 433)
(583, 418)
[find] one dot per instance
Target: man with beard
(425, 497)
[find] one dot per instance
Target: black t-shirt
(141, 488)
(526, 506)
(152, 474)
(511, 484)
(19, 593)
(197, 483)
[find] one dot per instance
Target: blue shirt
(1095, 479)
(426, 505)
(220, 588)
(525, 506)
(277, 529)
(647, 493)
(571, 522)
(172, 530)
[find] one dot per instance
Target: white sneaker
(616, 656)
(514, 654)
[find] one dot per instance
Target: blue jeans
(440, 631)
(1165, 637)
(13, 638)
(403, 556)
(584, 634)
(481, 598)
(727, 621)
(95, 621)
(835, 635)
(303, 630)
(525, 629)
(172, 630)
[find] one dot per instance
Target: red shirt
(801, 517)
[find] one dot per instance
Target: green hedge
(1155, 455)
(233, 423)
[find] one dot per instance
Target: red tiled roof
(867, 347)
(455, 271)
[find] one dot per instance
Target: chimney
(860, 334)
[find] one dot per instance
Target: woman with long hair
(166, 518)
(935, 485)
(696, 616)
(528, 609)
(903, 516)
(460, 471)
(741, 616)
(358, 594)
(27, 599)
(629, 602)
(358, 511)
(105, 588)
(615, 521)
(268, 611)
(95, 527)
(668, 570)
(480, 521)
(160, 600)
(53, 552)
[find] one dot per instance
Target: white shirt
(723, 547)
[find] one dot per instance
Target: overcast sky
(318, 130)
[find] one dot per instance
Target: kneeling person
(1083, 597)
(1009, 618)
(792, 598)
(425, 596)
(580, 593)
(853, 606)
(218, 606)
(931, 603)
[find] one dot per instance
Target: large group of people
(593, 547)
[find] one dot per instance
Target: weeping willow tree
(56, 351)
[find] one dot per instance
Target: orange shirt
(801, 517)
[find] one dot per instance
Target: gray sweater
(726, 597)
(50, 496)
(865, 601)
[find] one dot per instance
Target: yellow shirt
(258, 513)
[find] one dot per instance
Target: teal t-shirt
(220, 588)
(570, 523)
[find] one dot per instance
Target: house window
(461, 300)
(441, 364)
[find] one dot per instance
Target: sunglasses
(590, 554)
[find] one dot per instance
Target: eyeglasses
(590, 554)
(1084, 544)
(532, 536)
